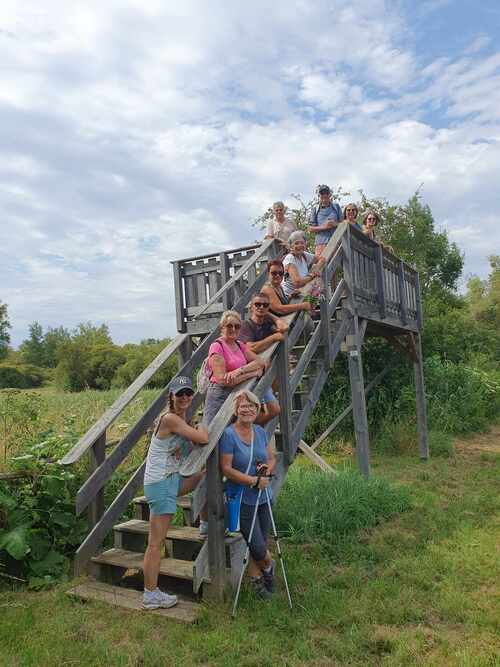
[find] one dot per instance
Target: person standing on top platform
(280, 227)
(323, 219)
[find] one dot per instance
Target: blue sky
(134, 133)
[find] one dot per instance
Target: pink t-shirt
(233, 358)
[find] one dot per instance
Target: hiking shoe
(259, 588)
(158, 599)
(268, 577)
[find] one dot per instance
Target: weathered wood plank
(421, 405)
(97, 455)
(179, 297)
(402, 294)
(121, 403)
(185, 611)
(359, 403)
(315, 458)
(216, 546)
(376, 380)
(285, 397)
(380, 283)
(200, 568)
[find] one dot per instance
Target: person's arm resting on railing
(171, 423)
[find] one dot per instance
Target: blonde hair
(250, 396)
(227, 315)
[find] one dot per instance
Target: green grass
(421, 588)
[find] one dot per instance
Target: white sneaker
(158, 599)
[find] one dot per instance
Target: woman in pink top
(231, 364)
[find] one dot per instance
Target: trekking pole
(245, 559)
(280, 555)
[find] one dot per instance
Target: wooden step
(188, 533)
(185, 610)
(131, 560)
(183, 542)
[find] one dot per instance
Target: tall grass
(316, 506)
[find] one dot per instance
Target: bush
(22, 376)
(38, 527)
(319, 506)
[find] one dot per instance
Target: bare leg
(189, 484)
(158, 527)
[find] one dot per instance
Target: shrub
(319, 506)
(21, 376)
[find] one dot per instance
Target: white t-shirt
(302, 264)
(280, 231)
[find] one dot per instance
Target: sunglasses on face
(277, 273)
(184, 392)
(351, 210)
(371, 219)
(233, 326)
(261, 304)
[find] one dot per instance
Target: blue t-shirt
(231, 443)
(330, 211)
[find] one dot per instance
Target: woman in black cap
(171, 443)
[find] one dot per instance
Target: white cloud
(136, 134)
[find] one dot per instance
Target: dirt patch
(481, 442)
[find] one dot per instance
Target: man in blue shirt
(323, 219)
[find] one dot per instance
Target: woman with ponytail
(171, 443)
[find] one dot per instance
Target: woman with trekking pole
(247, 460)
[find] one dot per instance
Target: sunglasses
(351, 210)
(184, 392)
(261, 304)
(277, 273)
(233, 326)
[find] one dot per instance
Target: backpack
(335, 206)
(204, 374)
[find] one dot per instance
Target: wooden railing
(379, 287)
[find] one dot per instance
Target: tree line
(458, 328)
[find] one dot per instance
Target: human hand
(305, 305)
(278, 336)
(263, 483)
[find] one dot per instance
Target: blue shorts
(162, 495)
(268, 397)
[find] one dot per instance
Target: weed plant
(316, 506)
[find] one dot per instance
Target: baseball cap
(181, 382)
(324, 188)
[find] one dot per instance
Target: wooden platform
(185, 610)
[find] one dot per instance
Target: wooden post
(358, 401)
(418, 369)
(179, 298)
(184, 352)
(227, 297)
(216, 547)
(418, 300)
(285, 400)
(402, 293)
(379, 270)
(326, 295)
(97, 455)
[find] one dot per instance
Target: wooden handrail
(250, 261)
(97, 429)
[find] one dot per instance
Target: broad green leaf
(16, 541)
(51, 564)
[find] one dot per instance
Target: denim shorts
(162, 495)
(268, 397)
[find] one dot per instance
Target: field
(421, 588)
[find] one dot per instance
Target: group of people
(246, 458)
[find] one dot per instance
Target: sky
(136, 133)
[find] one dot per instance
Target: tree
(32, 349)
(483, 296)
(5, 325)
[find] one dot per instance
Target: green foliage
(38, 527)
(5, 325)
(21, 376)
(32, 349)
(319, 506)
(483, 296)
(19, 414)
(138, 357)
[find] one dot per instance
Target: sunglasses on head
(277, 273)
(261, 304)
(184, 392)
(233, 326)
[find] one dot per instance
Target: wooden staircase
(377, 294)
